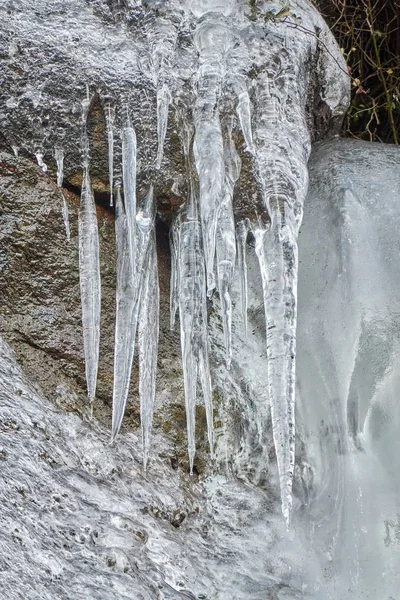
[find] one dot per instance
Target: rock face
(79, 518)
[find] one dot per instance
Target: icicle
(279, 282)
(89, 275)
(129, 288)
(124, 309)
(15, 149)
(163, 102)
(243, 110)
(40, 162)
(225, 240)
(282, 150)
(208, 153)
(148, 345)
(89, 266)
(193, 319)
(213, 43)
(174, 285)
(242, 230)
(59, 156)
(110, 116)
(129, 179)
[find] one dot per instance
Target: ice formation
(59, 156)
(233, 80)
(110, 116)
(89, 275)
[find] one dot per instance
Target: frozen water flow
(149, 63)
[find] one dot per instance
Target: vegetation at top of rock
(368, 32)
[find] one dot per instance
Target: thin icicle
(148, 345)
(129, 180)
(129, 288)
(110, 116)
(225, 240)
(163, 102)
(193, 319)
(243, 110)
(277, 255)
(59, 156)
(124, 309)
(174, 284)
(89, 275)
(242, 230)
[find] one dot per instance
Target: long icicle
(174, 283)
(127, 306)
(124, 308)
(89, 275)
(163, 102)
(277, 255)
(110, 116)
(212, 42)
(242, 231)
(225, 240)
(193, 319)
(129, 288)
(89, 267)
(148, 345)
(129, 181)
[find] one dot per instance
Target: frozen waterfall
(211, 100)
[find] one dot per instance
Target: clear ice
(225, 240)
(242, 232)
(148, 345)
(110, 116)
(130, 286)
(192, 301)
(89, 276)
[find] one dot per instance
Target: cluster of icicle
(137, 293)
(207, 241)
